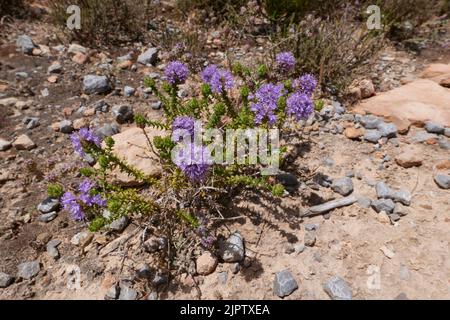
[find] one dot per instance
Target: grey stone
(372, 136)
(348, 117)
(310, 238)
(388, 130)
(423, 136)
(31, 122)
(5, 280)
(48, 205)
(232, 249)
(154, 75)
(401, 210)
(144, 271)
(123, 114)
(150, 56)
(127, 293)
(112, 293)
(101, 106)
(442, 180)
(5, 145)
(289, 248)
(126, 57)
(327, 112)
(22, 75)
(119, 224)
(386, 205)
(55, 67)
(343, 186)
(338, 289)
(311, 226)
(25, 44)
(401, 296)
(66, 126)
(156, 105)
(370, 122)
(52, 249)
(235, 268)
(364, 202)
(28, 270)
(444, 143)
(159, 279)
(433, 127)
(155, 244)
(394, 217)
(299, 248)
(128, 91)
(447, 132)
(107, 130)
(75, 48)
(403, 196)
(47, 217)
(288, 180)
(383, 190)
(338, 108)
(284, 284)
(95, 84)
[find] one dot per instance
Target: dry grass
(105, 21)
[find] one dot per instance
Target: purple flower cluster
(299, 105)
(184, 123)
(75, 205)
(84, 136)
(176, 72)
(218, 79)
(266, 102)
(195, 162)
(307, 83)
(285, 62)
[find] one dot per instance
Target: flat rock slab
(132, 147)
(418, 102)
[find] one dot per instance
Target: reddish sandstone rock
(417, 102)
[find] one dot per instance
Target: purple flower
(76, 205)
(184, 123)
(266, 102)
(307, 83)
(84, 135)
(208, 73)
(70, 203)
(218, 79)
(195, 161)
(285, 62)
(299, 105)
(176, 72)
(86, 186)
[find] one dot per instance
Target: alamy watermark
(74, 20)
(240, 146)
(374, 20)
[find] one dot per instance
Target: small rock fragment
(442, 180)
(28, 270)
(284, 284)
(338, 289)
(232, 249)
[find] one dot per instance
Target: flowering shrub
(193, 180)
